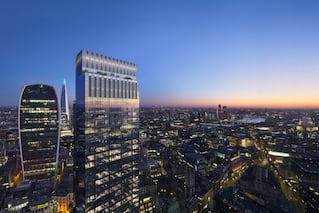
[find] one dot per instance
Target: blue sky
(238, 53)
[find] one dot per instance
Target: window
(105, 91)
(90, 86)
(121, 89)
(129, 89)
(109, 81)
(118, 88)
(135, 95)
(94, 86)
(113, 86)
(100, 87)
(133, 90)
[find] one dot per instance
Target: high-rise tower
(65, 113)
(106, 131)
(67, 138)
(39, 131)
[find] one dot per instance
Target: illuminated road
(287, 188)
(262, 160)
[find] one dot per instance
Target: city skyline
(239, 54)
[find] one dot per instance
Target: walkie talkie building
(39, 131)
(106, 130)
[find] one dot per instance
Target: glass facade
(39, 131)
(65, 114)
(107, 145)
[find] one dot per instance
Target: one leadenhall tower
(106, 130)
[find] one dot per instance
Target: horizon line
(232, 107)
(211, 106)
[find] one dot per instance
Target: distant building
(106, 134)
(67, 139)
(3, 155)
(219, 112)
(43, 205)
(65, 111)
(225, 112)
(38, 125)
(64, 195)
(147, 204)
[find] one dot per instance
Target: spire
(65, 103)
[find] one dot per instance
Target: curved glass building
(106, 130)
(38, 131)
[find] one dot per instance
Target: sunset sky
(249, 53)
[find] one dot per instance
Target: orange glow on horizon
(244, 103)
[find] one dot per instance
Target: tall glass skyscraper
(106, 130)
(65, 112)
(38, 131)
(67, 139)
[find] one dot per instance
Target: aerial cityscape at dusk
(159, 106)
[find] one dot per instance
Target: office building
(38, 125)
(106, 134)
